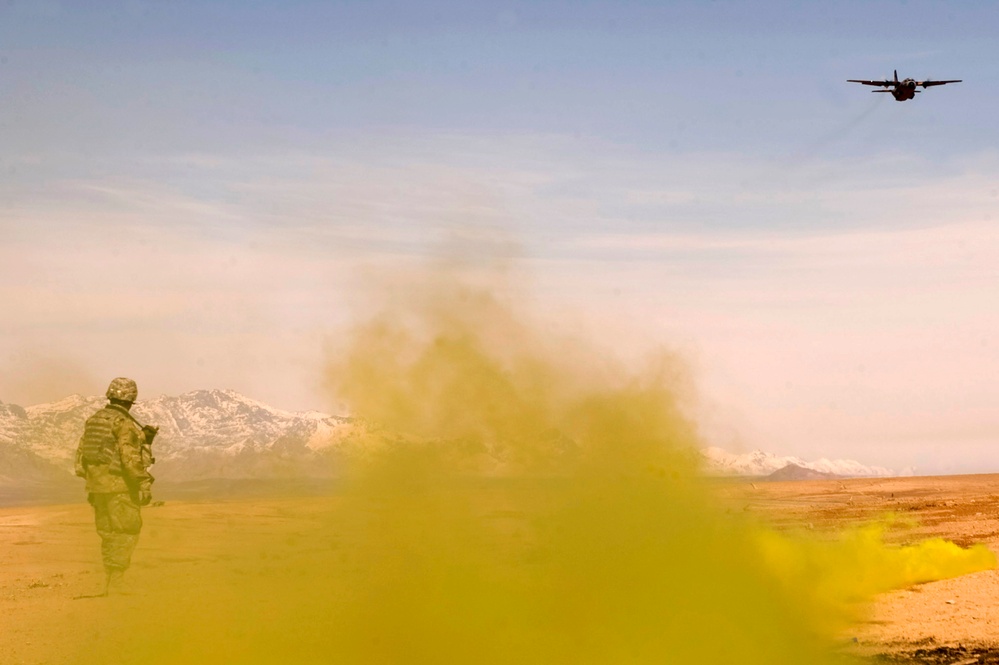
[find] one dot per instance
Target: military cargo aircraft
(904, 89)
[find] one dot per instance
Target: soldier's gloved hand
(150, 432)
(145, 497)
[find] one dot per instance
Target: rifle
(146, 448)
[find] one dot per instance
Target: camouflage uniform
(114, 456)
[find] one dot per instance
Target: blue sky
(699, 175)
(764, 78)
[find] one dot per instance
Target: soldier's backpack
(98, 443)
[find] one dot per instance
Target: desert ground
(237, 580)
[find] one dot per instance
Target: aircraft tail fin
(896, 76)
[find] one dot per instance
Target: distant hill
(795, 472)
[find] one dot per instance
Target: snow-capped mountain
(20, 466)
(203, 434)
(208, 434)
(759, 463)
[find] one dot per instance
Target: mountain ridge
(209, 433)
(220, 433)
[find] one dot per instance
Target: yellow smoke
(595, 542)
(830, 579)
(456, 367)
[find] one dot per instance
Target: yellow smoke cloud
(830, 579)
(594, 541)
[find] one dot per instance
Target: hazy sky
(200, 194)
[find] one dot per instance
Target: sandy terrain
(221, 566)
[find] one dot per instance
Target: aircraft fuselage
(904, 90)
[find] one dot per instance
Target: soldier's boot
(114, 584)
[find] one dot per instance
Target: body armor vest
(98, 445)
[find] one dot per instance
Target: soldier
(114, 456)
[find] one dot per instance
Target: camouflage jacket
(128, 469)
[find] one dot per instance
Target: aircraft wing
(884, 83)
(927, 84)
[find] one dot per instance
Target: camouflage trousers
(118, 524)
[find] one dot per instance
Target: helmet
(123, 389)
